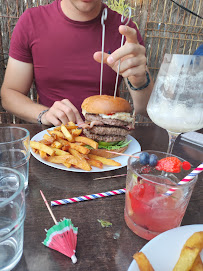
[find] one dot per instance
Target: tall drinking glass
(15, 150)
(176, 102)
(148, 211)
(12, 216)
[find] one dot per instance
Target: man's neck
(81, 11)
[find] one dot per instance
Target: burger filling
(110, 132)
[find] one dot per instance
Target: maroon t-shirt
(61, 51)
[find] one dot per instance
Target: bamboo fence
(166, 27)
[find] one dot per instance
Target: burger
(107, 121)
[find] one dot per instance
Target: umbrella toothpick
(50, 211)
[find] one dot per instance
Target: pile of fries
(65, 145)
(189, 259)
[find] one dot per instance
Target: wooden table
(97, 248)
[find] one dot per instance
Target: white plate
(164, 250)
(133, 147)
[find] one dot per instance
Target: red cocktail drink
(148, 212)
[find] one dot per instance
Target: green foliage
(119, 6)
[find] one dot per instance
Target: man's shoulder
(39, 11)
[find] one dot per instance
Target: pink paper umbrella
(62, 236)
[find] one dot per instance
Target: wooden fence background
(165, 27)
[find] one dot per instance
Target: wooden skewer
(50, 211)
(108, 177)
(123, 154)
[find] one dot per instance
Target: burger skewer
(104, 17)
(122, 40)
(124, 154)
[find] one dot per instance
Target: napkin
(193, 138)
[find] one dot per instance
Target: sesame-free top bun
(105, 104)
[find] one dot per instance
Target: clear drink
(12, 215)
(148, 212)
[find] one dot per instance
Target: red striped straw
(187, 179)
(88, 197)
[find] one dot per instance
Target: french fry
(56, 144)
(105, 161)
(87, 141)
(77, 131)
(79, 148)
(72, 127)
(49, 138)
(43, 154)
(66, 133)
(68, 165)
(70, 123)
(197, 265)
(64, 142)
(60, 159)
(42, 147)
(78, 155)
(77, 162)
(60, 152)
(57, 133)
(143, 262)
(95, 163)
(189, 252)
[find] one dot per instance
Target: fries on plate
(65, 145)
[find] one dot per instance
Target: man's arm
(17, 82)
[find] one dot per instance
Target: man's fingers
(98, 57)
(72, 113)
(129, 33)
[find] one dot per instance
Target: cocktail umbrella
(62, 236)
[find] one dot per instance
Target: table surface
(97, 247)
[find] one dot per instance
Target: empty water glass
(15, 150)
(12, 216)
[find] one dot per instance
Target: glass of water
(15, 150)
(12, 216)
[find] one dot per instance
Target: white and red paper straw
(88, 197)
(187, 179)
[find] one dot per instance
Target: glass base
(140, 231)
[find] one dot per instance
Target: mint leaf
(104, 223)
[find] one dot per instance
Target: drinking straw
(88, 197)
(187, 179)
(108, 177)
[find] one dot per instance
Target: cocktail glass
(176, 102)
(148, 211)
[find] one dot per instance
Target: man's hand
(131, 55)
(61, 112)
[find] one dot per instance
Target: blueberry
(144, 158)
(153, 159)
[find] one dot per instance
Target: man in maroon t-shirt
(56, 46)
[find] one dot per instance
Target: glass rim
(18, 191)
(16, 140)
(154, 182)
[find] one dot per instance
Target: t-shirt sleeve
(20, 48)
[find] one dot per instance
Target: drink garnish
(104, 224)
(169, 164)
(186, 165)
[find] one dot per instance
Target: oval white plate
(133, 147)
(164, 250)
